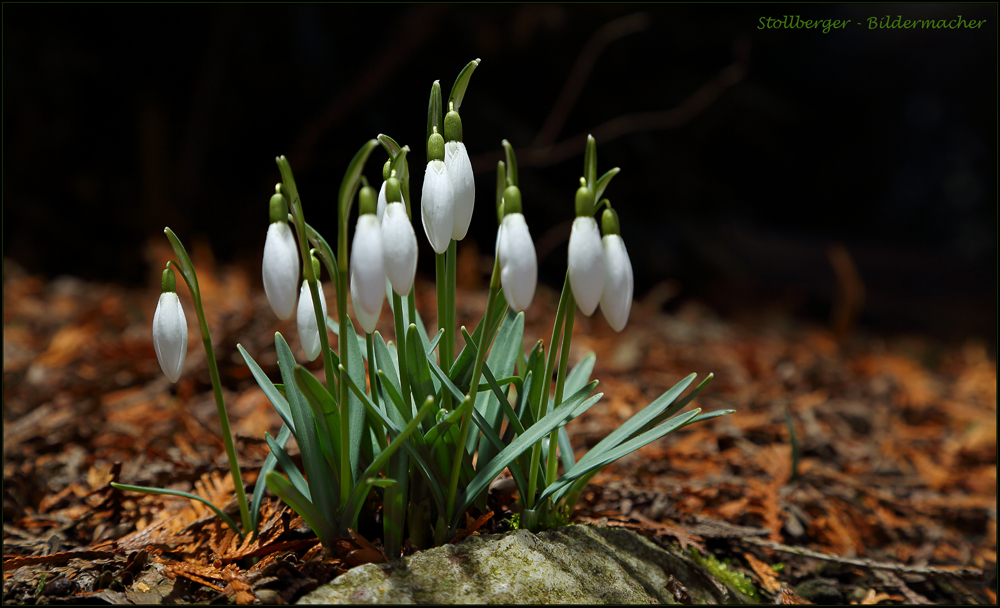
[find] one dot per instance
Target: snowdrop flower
(170, 331)
(463, 182)
(306, 317)
(399, 244)
(518, 263)
(437, 201)
(281, 261)
(616, 301)
(586, 264)
(368, 265)
(382, 202)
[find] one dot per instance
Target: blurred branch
(540, 156)
(413, 27)
(619, 28)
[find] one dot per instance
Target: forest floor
(889, 497)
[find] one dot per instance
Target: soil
(886, 494)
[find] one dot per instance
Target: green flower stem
(485, 339)
(449, 330)
(404, 378)
(550, 363)
(560, 384)
(441, 280)
(186, 269)
(372, 371)
(345, 431)
(295, 206)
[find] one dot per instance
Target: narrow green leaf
(635, 423)
(366, 479)
(352, 178)
(325, 413)
(543, 427)
(146, 490)
(355, 417)
(461, 84)
(391, 147)
(416, 362)
(313, 517)
(617, 452)
(270, 390)
(679, 404)
(511, 163)
(260, 486)
(435, 118)
(294, 475)
(317, 472)
(590, 162)
(603, 182)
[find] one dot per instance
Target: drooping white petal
(399, 245)
(170, 335)
(616, 301)
(281, 269)
(518, 262)
(382, 201)
(368, 271)
(586, 264)
(437, 205)
(456, 157)
(305, 318)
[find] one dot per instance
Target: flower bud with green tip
(170, 331)
(616, 301)
(463, 181)
(399, 241)
(586, 256)
(306, 315)
(516, 251)
(281, 259)
(382, 202)
(437, 201)
(367, 262)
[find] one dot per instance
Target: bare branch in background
(619, 28)
(541, 156)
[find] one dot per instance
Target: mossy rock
(569, 565)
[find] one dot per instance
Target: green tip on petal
(452, 126)
(278, 206)
(367, 200)
(609, 221)
(393, 193)
(168, 282)
(435, 147)
(511, 200)
(584, 201)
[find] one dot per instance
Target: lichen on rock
(569, 565)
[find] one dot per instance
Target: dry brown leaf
(766, 573)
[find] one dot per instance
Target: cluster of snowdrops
(426, 429)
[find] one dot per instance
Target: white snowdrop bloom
(306, 320)
(586, 264)
(616, 301)
(170, 335)
(399, 246)
(463, 181)
(437, 205)
(368, 271)
(380, 210)
(281, 269)
(518, 263)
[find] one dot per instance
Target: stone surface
(570, 565)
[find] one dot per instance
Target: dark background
(120, 120)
